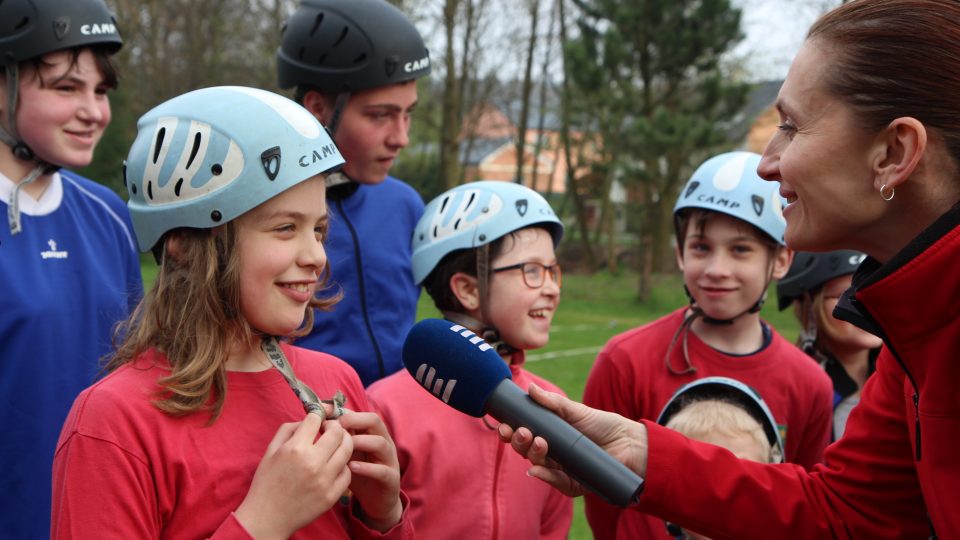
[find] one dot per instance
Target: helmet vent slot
(300, 53)
(196, 148)
(316, 24)
(150, 190)
(176, 189)
(23, 22)
(360, 59)
(159, 143)
(343, 35)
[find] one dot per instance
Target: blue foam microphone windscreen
(462, 370)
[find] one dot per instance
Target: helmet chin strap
(808, 334)
(755, 308)
(20, 151)
(340, 103)
(488, 332)
(696, 312)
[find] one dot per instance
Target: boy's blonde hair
(701, 418)
(192, 315)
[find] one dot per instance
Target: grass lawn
(592, 310)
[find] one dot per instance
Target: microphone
(459, 368)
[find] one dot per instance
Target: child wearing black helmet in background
(354, 65)
(68, 261)
(847, 353)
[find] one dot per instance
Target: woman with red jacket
(867, 155)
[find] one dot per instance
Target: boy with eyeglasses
(484, 251)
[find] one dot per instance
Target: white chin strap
(13, 206)
(19, 150)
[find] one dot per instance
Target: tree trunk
(449, 160)
(542, 112)
(580, 212)
(534, 9)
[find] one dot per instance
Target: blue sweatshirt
(67, 278)
(369, 253)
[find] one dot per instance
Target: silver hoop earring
(883, 196)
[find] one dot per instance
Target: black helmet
(348, 45)
(30, 29)
(811, 270)
(730, 391)
(33, 28)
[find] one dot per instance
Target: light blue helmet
(206, 157)
(471, 215)
(728, 183)
(730, 391)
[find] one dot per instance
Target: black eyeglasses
(533, 273)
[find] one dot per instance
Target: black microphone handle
(580, 457)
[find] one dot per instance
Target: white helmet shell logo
(298, 117)
(728, 176)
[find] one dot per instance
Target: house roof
(761, 96)
(481, 148)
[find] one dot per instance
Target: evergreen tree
(648, 74)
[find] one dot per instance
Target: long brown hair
(896, 58)
(192, 315)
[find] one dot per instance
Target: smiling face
(822, 158)
(62, 112)
(840, 336)
(373, 128)
(523, 314)
(281, 257)
(727, 265)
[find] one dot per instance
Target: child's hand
(299, 478)
(376, 471)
